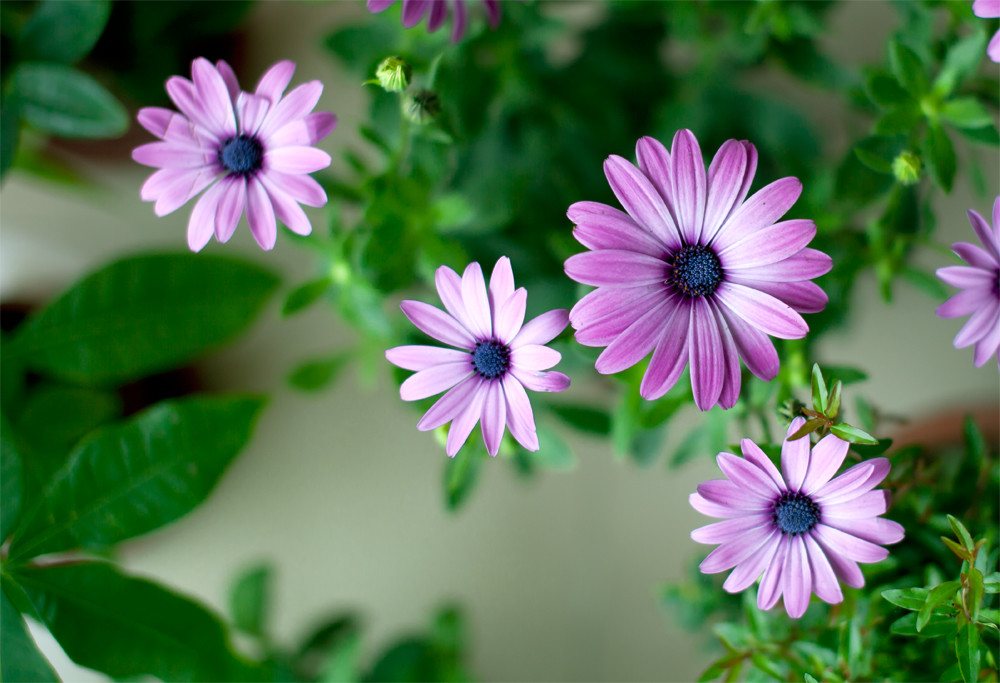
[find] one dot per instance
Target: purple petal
(465, 421)
(541, 381)
(274, 81)
(768, 245)
(231, 205)
(797, 578)
(731, 378)
(965, 277)
(501, 287)
(492, 8)
(437, 324)
(260, 215)
(417, 357)
(229, 77)
(376, 6)
(654, 162)
(434, 380)
(214, 97)
(795, 457)
(439, 12)
(413, 11)
(670, 356)
(755, 348)
(640, 199)
(295, 105)
(747, 475)
(320, 124)
(451, 405)
(850, 547)
(535, 357)
(762, 209)
(633, 344)
(855, 481)
(615, 268)
(449, 287)
(726, 493)
(297, 160)
(973, 255)
(458, 22)
(169, 154)
(757, 457)
(986, 9)
(156, 119)
(725, 180)
(845, 569)
(287, 209)
(202, 221)
(614, 231)
(494, 418)
(962, 304)
(805, 265)
(870, 504)
(993, 52)
(985, 235)
(520, 419)
(803, 297)
(712, 509)
(542, 329)
(825, 583)
(827, 457)
(705, 355)
(729, 555)
(979, 325)
(690, 185)
(508, 320)
(301, 188)
(186, 186)
(771, 583)
(252, 111)
(875, 529)
(729, 530)
(762, 310)
(477, 302)
(603, 314)
(158, 183)
(988, 344)
(182, 92)
(747, 571)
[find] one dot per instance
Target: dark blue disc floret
(241, 155)
(491, 359)
(695, 270)
(795, 513)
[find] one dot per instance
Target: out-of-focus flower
(394, 74)
(422, 106)
(251, 151)
(496, 358)
(989, 9)
(437, 12)
(798, 527)
(980, 285)
(691, 271)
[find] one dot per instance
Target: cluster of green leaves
(91, 457)
(39, 84)
(334, 651)
(823, 417)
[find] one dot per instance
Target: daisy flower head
(692, 270)
(497, 356)
(980, 285)
(989, 9)
(804, 530)
(249, 152)
(437, 12)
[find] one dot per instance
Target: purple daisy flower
(798, 527)
(980, 285)
(436, 12)
(989, 9)
(496, 358)
(691, 271)
(251, 151)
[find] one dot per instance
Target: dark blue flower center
(241, 155)
(491, 359)
(795, 513)
(695, 270)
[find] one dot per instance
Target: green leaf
(58, 99)
(11, 487)
(987, 135)
(128, 479)
(885, 91)
(249, 600)
(961, 533)
(128, 627)
(63, 30)
(833, 402)
(966, 112)
(967, 649)
(305, 295)
(925, 282)
(56, 417)
(991, 583)
(330, 651)
(20, 659)
(809, 427)
(317, 374)
(461, 474)
(963, 59)
(975, 444)
(853, 434)
(819, 392)
(907, 598)
(584, 418)
(907, 68)
(10, 131)
(940, 155)
(141, 315)
(342, 663)
(846, 374)
(411, 659)
(899, 121)
(976, 591)
(809, 678)
(937, 596)
(940, 625)
(959, 550)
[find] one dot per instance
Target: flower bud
(422, 107)
(393, 74)
(906, 168)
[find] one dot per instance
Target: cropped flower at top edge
(802, 528)
(437, 12)
(247, 151)
(980, 285)
(497, 356)
(693, 270)
(989, 9)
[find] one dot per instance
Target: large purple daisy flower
(691, 271)
(803, 531)
(989, 9)
(436, 12)
(252, 151)
(495, 360)
(980, 285)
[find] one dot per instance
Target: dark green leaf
(141, 315)
(58, 99)
(966, 112)
(961, 533)
(884, 90)
(907, 598)
(63, 30)
(833, 407)
(128, 479)
(899, 121)
(967, 649)
(250, 598)
(317, 374)
(10, 131)
(940, 154)
(11, 487)
(808, 428)
(938, 626)
(976, 449)
(409, 661)
(991, 583)
(853, 434)
(988, 135)
(819, 392)
(959, 550)
(461, 474)
(584, 418)
(938, 595)
(867, 452)
(342, 661)
(976, 591)
(55, 417)
(331, 646)
(907, 68)
(20, 659)
(129, 627)
(305, 295)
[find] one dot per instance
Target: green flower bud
(393, 74)
(906, 168)
(422, 107)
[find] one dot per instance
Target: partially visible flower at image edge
(980, 285)
(498, 355)
(251, 151)
(436, 12)
(989, 9)
(692, 270)
(804, 530)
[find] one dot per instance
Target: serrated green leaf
(318, 373)
(853, 434)
(304, 295)
(127, 479)
(907, 598)
(967, 649)
(938, 595)
(128, 627)
(58, 99)
(63, 30)
(966, 112)
(940, 155)
(20, 658)
(250, 598)
(819, 391)
(961, 533)
(141, 315)
(907, 68)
